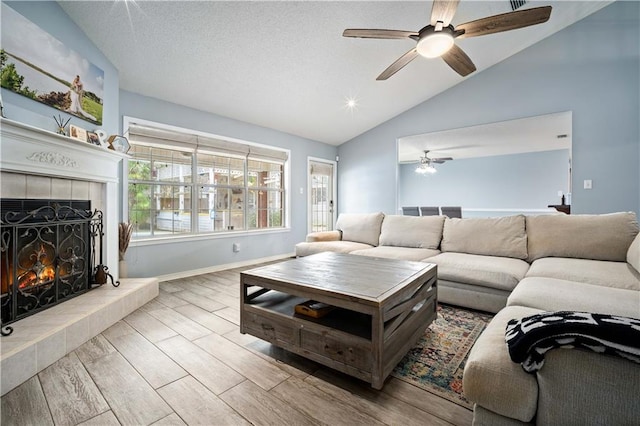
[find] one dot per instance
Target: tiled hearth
(41, 339)
(43, 165)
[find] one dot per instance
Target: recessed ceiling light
(350, 103)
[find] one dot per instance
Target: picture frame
(93, 139)
(77, 133)
(74, 85)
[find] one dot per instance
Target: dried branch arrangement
(124, 236)
(61, 124)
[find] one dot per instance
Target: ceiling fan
(426, 163)
(437, 38)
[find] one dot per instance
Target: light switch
(588, 184)
(301, 190)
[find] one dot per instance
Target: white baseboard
(216, 268)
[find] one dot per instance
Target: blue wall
(50, 17)
(517, 183)
(163, 258)
(160, 259)
(591, 68)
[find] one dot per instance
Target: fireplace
(48, 250)
(39, 164)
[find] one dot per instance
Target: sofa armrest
(324, 236)
(633, 254)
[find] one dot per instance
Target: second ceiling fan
(426, 163)
(437, 38)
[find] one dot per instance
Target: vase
(122, 269)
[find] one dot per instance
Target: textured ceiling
(285, 65)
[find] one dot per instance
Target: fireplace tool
(5, 330)
(101, 271)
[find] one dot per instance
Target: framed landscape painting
(35, 64)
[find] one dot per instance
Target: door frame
(334, 189)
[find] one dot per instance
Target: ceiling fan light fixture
(435, 44)
(425, 168)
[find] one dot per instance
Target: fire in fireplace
(48, 251)
(41, 271)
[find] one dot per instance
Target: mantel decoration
(61, 124)
(102, 136)
(92, 138)
(77, 133)
(119, 144)
(124, 237)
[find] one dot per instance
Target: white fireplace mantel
(29, 150)
(41, 339)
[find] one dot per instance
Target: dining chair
(410, 211)
(452, 211)
(429, 211)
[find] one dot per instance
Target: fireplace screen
(48, 249)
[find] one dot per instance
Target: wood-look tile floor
(180, 359)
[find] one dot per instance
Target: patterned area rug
(437, 362)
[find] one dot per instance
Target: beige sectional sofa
(519, 266)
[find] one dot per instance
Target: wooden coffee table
(383, 307)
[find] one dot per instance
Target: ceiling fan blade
(443, 11)
(442, 159)
(459, 61)
(505, 22)
(384, 34)
(399, 64)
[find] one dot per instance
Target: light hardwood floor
(180, 359)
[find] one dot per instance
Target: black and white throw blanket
(531, 337)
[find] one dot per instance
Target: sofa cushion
(324, 236)
(472, 296)
(306, 249)
(500, 236)
(596, 272)
(633, 254)
(551, 294)
(404, 253)
(411, 231)
(502, 273)
(598, 237)
(360, 228)
(495, 382)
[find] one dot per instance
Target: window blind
(164, 138)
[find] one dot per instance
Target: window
(265, 201)
(181, 183)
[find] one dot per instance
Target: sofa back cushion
(412, 231)
(360, 228)
(496, 236)
(597, 237)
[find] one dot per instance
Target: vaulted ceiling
(285, 65)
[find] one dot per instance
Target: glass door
(321, 194)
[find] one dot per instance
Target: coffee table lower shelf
(361, 344)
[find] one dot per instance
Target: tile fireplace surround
(35, 163)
